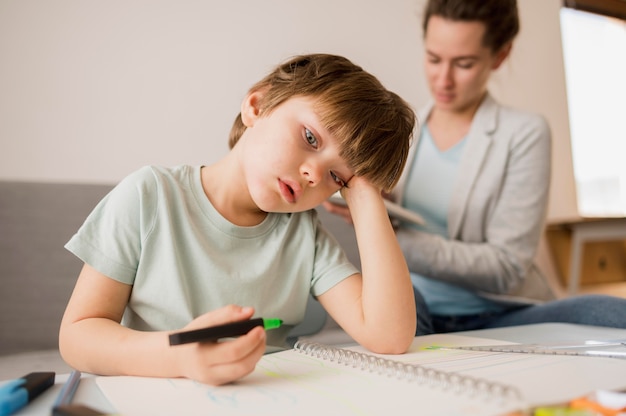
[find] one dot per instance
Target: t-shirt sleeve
(331, 263)
(110, 239)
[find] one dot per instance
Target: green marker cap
(272, 323)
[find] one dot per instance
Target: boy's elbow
(397, 347)
(68, 348)
(64, 348)
(397, 344)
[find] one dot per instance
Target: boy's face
(290, 162)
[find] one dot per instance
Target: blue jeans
(599, 310)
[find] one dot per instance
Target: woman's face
(457, 63)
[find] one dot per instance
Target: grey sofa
(38, 274)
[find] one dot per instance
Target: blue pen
(16, 394)
(68, 390)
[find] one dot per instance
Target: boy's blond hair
(374, 126)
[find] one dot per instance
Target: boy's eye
(310, 138)
(338, 180)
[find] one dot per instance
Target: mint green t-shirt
(157, 231)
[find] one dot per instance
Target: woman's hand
(338, 209)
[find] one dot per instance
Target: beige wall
(92, 90)
(534, 79)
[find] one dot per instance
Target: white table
(89, 394)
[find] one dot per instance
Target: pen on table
(63, 407)
(67, 392)
(16, 394)
(214, 333)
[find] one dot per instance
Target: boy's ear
(250, 108)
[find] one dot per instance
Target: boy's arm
(376, 308)
(92, 339)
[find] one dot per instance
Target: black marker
(16, 394)
(214, 333)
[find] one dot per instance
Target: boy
(188, 247)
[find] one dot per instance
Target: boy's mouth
(288, 192)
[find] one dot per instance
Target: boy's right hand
(222, 362)
(342, 209)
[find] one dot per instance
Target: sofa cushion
(37, 273)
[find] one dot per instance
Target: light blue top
(429, 188)
(430, 182)
(158, 231)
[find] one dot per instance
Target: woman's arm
(376, 308)
(502, 219)
(91, 338)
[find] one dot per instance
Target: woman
(479, 175)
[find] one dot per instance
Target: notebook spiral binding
(411, 372)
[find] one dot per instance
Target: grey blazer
(497, 210)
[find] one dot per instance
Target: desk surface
(89, 394)
(568, 222)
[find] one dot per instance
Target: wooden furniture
(599, 244)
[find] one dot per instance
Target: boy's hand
(358, 187)
(218, 363)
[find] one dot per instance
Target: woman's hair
(500, 17)
(374, 126)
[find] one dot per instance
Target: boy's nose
(311, 173)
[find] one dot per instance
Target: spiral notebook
(431, 379)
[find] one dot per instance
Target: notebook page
(541, 379)
(290, 382)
